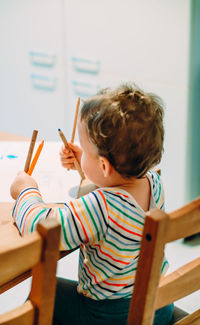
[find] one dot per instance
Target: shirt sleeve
(82, 220)
(158, 190)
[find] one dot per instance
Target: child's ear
(106, 166)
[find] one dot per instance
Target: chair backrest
(38, 252)
(152, 292)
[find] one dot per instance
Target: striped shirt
(107, 224)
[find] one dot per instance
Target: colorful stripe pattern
(107, 224)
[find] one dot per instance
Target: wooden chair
(38, 252)
(151, 292)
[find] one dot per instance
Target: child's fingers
(68, 160)
(70, 166)
(68, 157)
(64, 151)
(66, 154)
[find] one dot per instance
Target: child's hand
(20, 183)
(66, 157)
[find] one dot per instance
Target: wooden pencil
(30, 151)
(64, 140)
(35, 159)
(75, 120)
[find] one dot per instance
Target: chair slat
(148, 270)
(11, 283)
(22, 315)
(184, 222)
(19, 257)
(43, 287)
(38, 253)
(149, 292)
(192, 319)
(179, 283)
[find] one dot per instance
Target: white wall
(146, 41)
(27, 25)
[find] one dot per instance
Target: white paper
(56, 184)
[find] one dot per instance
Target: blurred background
(53, 51)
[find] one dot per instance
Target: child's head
(126, 127)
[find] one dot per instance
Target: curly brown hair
(126, 126)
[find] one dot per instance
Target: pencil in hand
(76, 164)
(30, 151)
(35, 159)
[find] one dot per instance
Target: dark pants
(74, 309)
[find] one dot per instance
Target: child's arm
(82, 220)
(20, 183)
(66, 158)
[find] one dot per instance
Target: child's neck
(129, 184)
(139, 188)
(116, 180)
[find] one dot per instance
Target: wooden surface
(179, 283)
(148, 270)
(8, 230)
(4, 136)
(30, 151)
(192, 319)
(19, 256)
(39, 252)
(43, 286)
(184, 221)
(9, 233)
(24, 314)
(151, 292)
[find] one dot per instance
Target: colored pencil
(35, 159)
(75, 120)
(64, 140)
(30, 151)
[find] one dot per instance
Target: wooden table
(10, 231)
(4, 136)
